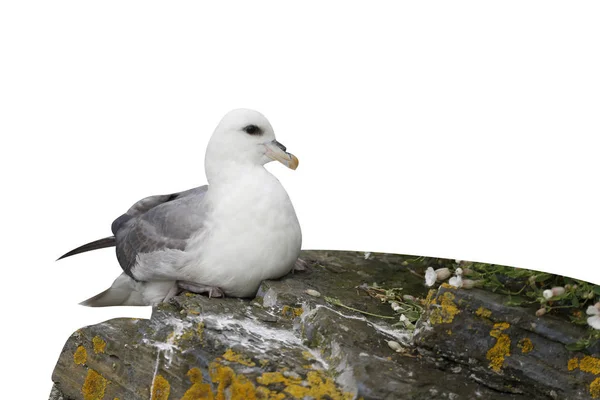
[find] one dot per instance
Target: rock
(508, 348)
(288, 344)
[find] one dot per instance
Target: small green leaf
(514, 301)
(576, 346)
(575, 301)
(542, 277)
(596, 290)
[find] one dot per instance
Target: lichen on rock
(289, 344)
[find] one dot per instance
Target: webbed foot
(211, 291)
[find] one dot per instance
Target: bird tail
(126, 292)
(95, 245)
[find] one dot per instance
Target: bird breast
(257, 236)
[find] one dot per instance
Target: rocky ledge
(293, 342)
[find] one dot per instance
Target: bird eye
(252, 130)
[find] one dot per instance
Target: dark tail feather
(95, 245)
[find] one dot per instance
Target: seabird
(223, 238)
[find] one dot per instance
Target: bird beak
(276, 151)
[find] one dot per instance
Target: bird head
(245, 138)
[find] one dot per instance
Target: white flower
(456, 281)
(396, 307)
(367, 255)
(442, 274)
(594, 320)
(555, 291)
(469, 283)
(430, 277)
(459, 271)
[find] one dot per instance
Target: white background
(458, 129)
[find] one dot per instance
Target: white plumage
(226, 237)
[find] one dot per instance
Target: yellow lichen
(232, 356)
(99, 344)
(224, 377)
(447, 310)
(291, 312)
(525, 345)
(573, 364)
(199, 390)
(94, 386)
(483, 312)
(234, 386)
(263, 393)
(590, 364)
(160, 388)
(501, 349)
(80, 356)
(430, 297)
(595, 388)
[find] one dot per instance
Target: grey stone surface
(287, 344)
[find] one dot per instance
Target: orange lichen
(525, 345)
(199, 390)
(232, 356)
(595, 388)
(160, 388)
(573, 364)
(590, 364)
(318, 385)
(483, 312)
(224, 377)
(501, 349)
(94, 386)
(99, 344)
(234, 386)
(447, 310)
(291, 312)
(447, 285)
(80, 356)
(430, 297)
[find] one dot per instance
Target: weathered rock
(508, 348)
(289, 344)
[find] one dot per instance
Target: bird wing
(158, 223)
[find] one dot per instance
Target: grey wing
(158, 223)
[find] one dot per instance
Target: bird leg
(300, 265)
(193, 287)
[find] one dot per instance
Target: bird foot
(300, 265)
(211, 291)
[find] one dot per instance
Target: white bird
(223, 238)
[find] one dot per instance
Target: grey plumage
(225, 239)
(155, 223)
